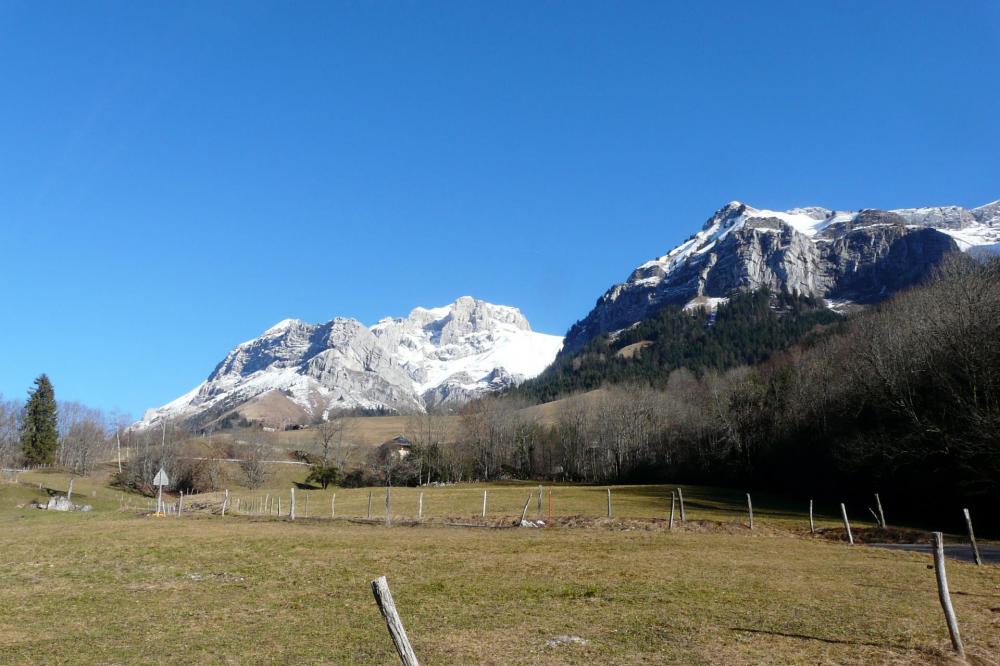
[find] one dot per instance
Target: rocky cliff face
(433, 357)
(848, 256)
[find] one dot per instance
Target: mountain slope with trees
(902, 399)
(745, 330)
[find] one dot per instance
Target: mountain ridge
(432, 358)
(848, 256)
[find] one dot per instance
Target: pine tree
(39, 436)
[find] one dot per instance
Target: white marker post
(159, 481)
(847, 524)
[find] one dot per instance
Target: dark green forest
(746, 330)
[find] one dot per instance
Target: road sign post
(159, 481)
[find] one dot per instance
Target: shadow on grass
(832, 641)
(729, 500)
(929, 590)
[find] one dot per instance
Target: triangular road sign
(161, 479)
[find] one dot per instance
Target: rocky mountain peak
(434, 356)
(863, 255)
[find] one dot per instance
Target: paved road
(990, 553)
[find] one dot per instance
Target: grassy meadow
(122, 587)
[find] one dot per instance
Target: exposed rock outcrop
(854, 256)
(434, 357)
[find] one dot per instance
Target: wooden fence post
(267, 504)
(383, 597)
(673, 497)
(847, 525)
(291, 508)
(944, 596)
(875, 516)
(812, 525)
(972, 538)
(333, 506)
(225, 502)
(388, 509)
(680, 497)
(484, 503)
(180, 505)
(525, 511)
(305, 509)
(539, 500)
(881, 513)
(420, 506)
(369, 505)
(750, 510)
(609, 502)
(279, 507)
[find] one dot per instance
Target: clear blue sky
(175, 177)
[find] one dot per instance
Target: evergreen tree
(39, 436)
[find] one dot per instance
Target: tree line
(903, 399)
(42, 431)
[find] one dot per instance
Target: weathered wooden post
(279, 507)
(750, 510)
(305, 509)
(225, 502)
(944, 596)
(484, 503)
(524, 513)
(267, 504)
(333, 506)
(180, 505)
(609, 502)
(673, 498)
(875, 516)
(881, 513)
(847, 525)
(291, 507)
(812, 525)
(383, 597)
(420, 506)
(388, 507)
(549, 524)
(539, 500)
(680, 497)
(369, 505)
(69, 493)
(972, 538)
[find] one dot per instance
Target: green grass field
(114, 587)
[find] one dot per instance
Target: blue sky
(175, 177)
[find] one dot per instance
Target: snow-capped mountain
(296, 371)
(858, 256)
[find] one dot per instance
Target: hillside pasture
(115, 586)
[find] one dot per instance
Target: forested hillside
(903, 399)
(743, 331)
